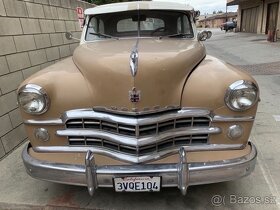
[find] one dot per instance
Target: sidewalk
(19, 191)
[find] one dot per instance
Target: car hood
(163, 67)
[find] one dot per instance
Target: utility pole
(226, 13)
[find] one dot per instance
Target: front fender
(206, 88)
(208, 83)
(63, 82)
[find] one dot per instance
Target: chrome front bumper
(181, 174)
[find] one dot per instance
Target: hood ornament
(134, 95)
(134, 61)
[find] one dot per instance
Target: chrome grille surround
(137, 135)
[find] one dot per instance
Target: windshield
(143, 23)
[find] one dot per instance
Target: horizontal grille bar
(138, 130)
(141, 150)
(132, 141)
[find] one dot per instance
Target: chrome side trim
(138, 159)
(222, 118)
(141, 120)
(44, 122)
(133, 141)
(194, 173)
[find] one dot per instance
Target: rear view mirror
(140, 18)
(69, 36)
(204, 35)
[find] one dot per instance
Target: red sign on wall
(81, 18)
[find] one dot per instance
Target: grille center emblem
(134, 95)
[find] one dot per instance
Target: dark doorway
(272, 16)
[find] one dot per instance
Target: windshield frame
(138, 34)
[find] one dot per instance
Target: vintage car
(227, 26)
(139, 106)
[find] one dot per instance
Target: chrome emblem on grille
(134, 95)
(134, 62)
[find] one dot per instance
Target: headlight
(33, 99)
(241, 95)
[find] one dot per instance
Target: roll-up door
(249, 20)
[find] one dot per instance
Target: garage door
(249, 21)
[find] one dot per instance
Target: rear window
(149, 24)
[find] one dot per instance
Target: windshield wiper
(183, 35)
(103, 35)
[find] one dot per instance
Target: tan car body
(172, 74)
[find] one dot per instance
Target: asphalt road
(19, 191)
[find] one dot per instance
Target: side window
(92, 28)
(95, 26)
(184, 25)
(179, 25)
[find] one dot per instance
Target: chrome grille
(139, 150)
(140, 134)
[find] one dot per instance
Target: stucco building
(257, 16)
(215, 21)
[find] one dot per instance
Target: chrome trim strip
(199, 173)
(138, 159)
(129, 119)
(44, 122)
(142, 120)
(133, 141)
(222, 118)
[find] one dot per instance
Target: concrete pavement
(19, 191)
(242, 48)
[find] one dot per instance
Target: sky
(207, 6)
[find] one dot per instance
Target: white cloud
(207, 6)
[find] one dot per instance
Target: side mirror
(196, 14)
(69, 36)
(204, 35)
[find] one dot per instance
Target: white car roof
(138, 5)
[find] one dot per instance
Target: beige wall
(31, 38)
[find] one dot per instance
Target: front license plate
(137, 184)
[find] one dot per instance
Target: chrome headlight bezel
(237, 86)
(34, 89)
